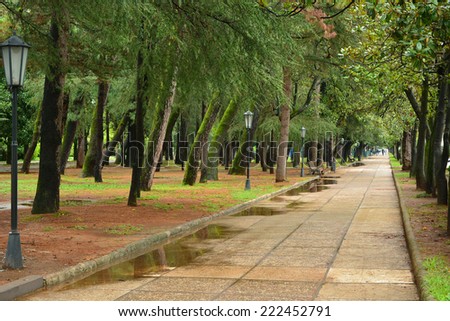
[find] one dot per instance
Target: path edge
(413, 249)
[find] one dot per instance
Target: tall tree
(92, 162)
(47, 192)
(285, 110)
(194, 160)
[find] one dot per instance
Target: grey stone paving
(343, 243)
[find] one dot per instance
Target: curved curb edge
(413, 249)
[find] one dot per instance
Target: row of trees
(409, 55)
(157, 71)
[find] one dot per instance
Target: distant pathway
(343, 243)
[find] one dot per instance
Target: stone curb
(130, 251)
(20, 287)
(413, 249)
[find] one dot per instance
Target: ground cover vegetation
(141, 84)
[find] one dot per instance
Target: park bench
(314, 169)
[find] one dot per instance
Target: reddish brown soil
(92, 223)
(428, 220)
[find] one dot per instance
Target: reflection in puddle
(164, 258)
(262, 211)
(310, 187)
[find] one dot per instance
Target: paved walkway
(343, 243)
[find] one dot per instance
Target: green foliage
(25, 115)
(437, 278)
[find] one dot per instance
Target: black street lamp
(248, 116)
(303, 134)
(14, 52)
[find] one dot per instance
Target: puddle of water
(260, 211)
(311, 187)
(296, 204)
(166, 257)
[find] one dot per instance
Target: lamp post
(303, 134)
(14, 52)
(248, 117)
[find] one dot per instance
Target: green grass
(124, 229)
(210, 207)
(244, 195)
(402, 174)
(423, 195)
(437, 278)
(149, 197)
(32, 218)
(394, 162)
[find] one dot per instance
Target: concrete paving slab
(310, 261)
(337, 275)
(272, 288)
(138, 295)
(186, 284)
(286, 274)
(209, 271)
(367, 292)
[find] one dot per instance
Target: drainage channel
(161, 259)
(185, 250)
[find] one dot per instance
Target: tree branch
(309, 96)
(339, 12)
(412, 99)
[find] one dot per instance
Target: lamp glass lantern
(248, 116)
(15, 54)
(302, 134)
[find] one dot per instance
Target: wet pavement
(340, 240)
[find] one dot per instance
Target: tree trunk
(406, 150)
(34, 141)
(182, 143)
(158, 134)
(69, 134)
(422, 114)
(92, 162)
(168, 140)
(190, 175)
(81, 143)
(117, 138)
(412, 171)
(430, 187)
(47, 192)
(217, 141)
(285, 110)
(262, 150)
(136, 135)
(440, 124)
